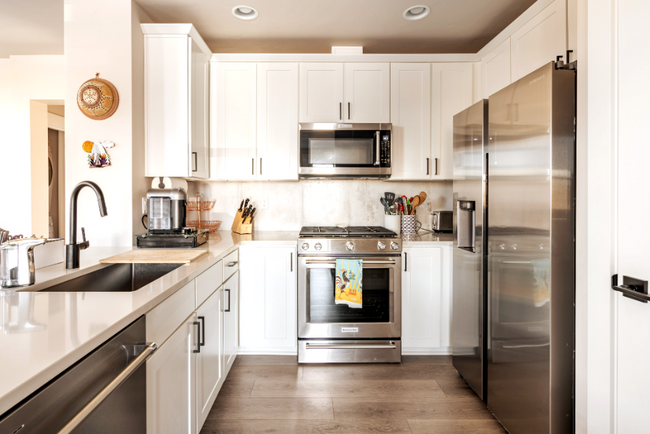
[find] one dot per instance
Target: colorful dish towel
(349, 275)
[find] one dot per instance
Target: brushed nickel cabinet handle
(348, 111)
(253, 166)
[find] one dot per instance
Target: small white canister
(392, 223)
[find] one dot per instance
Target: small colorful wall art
(97, 155)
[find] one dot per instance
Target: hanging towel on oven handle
(349, 277)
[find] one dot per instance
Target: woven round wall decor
(97, 98)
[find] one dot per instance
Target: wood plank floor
(273, 394)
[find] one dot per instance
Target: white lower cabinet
(185, 374)
(426, 300)
(171, 379)
(231, 320)
(268, 299)
(209, 359)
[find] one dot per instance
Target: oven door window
(338, 148)
(376, 298)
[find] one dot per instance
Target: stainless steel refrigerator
(528, 279)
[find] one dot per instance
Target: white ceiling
(288, 26)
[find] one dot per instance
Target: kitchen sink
(114, 278)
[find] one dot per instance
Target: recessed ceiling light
(416, 12)
(244, 12)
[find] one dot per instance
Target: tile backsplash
(292, 205)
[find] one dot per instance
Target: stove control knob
(305, 246)
(318, 246)
(381, 246)
(349, 246)
(394, 245)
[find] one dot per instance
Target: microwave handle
(377, 135)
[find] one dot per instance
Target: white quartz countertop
(43, 333)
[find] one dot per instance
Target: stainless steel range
(336, 333)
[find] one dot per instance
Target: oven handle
(117, 381)
(331, 262)
(517, 262)
(309, 346)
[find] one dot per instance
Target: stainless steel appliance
(167, 217)
(166, 210)
(17, 262)
(529, 269)
(338, 150)
(469, 298)
(334, 333)
(442, 221)
(103, 393)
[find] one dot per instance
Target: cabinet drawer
(168, 315)
(230, 264)
(208, 282)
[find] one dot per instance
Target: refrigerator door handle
(636, 289)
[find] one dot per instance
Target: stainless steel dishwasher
(105, 392)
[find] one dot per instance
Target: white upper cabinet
(321, 92)
(277, 121)
(452, 92)
(411, 118)
(367, 92)
(233, 106)
(345, 92)
(495, 69)
(539, 41)
(176, 105)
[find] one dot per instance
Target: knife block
(238, 225)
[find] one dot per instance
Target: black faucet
(72, 249)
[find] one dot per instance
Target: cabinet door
(422, 301)
(277, 121)
(268, 316)
(411, 117)
(171, 381)
(231, 320)
(495, 69)
(209, 360)
(538, 41)
(321, 92)
(199, 94)
(166, 93)
(367, 92)
(233, 102)
(452, 92)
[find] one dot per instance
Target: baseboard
(439, 351)
(261, 351)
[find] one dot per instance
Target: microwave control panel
(384, 151)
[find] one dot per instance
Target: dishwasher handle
(149, 349)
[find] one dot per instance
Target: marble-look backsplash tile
(316, 202)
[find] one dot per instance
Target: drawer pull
(231, 264)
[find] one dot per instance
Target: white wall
(316, 202)
(24, 79)
(115, 51)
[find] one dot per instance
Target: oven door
(358, 151)
(320, 318)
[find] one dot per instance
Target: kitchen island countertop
(43, 333)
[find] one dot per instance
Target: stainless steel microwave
(338, 150)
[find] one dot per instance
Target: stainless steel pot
(17, 262)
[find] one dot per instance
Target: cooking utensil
(241, 205)
(246, 203)
(423, 197)
(414, 204)
(393, 209)
(383, 202)
(250, 215)
(390, 198)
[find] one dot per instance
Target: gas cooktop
(346, 232)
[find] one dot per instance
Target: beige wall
(116, 53)
(24, 80)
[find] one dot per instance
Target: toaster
(442, 221)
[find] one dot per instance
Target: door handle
(228, 310)
(291, 262)
(436, 160)
(195, 163)
(260, 165)
(311, 346)
(427, 166)
(332, 262)
(377, 151)
(202, 319)
(636, 289)
(348, 111)
(253, 166)
(406, 261)
(198, 337)
(231, 264)
(341, 110)
(106, 391)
